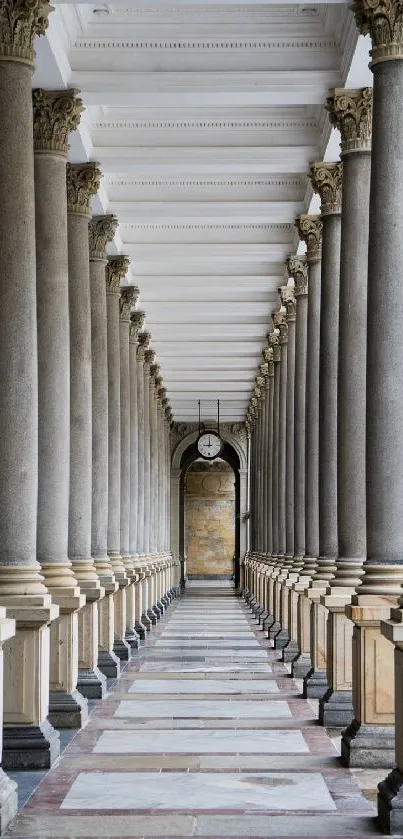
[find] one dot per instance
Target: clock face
(209, 445)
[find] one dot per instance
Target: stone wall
(210, 519)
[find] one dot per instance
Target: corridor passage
(205, 734)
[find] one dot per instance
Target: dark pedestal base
(274, 629)
(67, 710)
(152, 617)
(92, 683)
(109, 664)
(336, 709)
(390, 803)
(263, 615)
(368, 746)
(315, 684)
(281, 640)
(290, 651)
(122, 649)
(132, 639)
(145, 620)
(141, 630)
(268, 622)
(301, 666)
(157, 611)
(30, 747)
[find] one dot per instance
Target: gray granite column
(21, 583)
(275, 344)
(310, 231)
(97, 659)
(136, 323)
(351, 112)
(327, 181)
(269, 437)
(144, 341)
(297, 267)
(55, 115)
(82, 183)
(259, 466)
(278, 629)
(264, 370)
(381, 585)
(116, 270)
(128, 299)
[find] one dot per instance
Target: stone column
(274, 565)
(371, 734)
(351, 112)
(297, 268)
(128, 299)
(22, 588)
(310, 231)
(116, 270)
(268, 354)
(136, 323)
(97, 659)
(56, 113)
(280, 572)
(144, 444)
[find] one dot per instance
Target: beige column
(282, 565)
(56, 113)
(144, 479)
(274, 564)
(22, 588)
(8, 788)
(136, 323)
(116, 270)
(97, 627)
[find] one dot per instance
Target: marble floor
(205, 734)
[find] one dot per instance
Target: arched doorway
(211, 494)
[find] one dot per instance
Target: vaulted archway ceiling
(204, 118)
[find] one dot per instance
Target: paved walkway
(204, 735)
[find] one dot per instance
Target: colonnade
(325, 568)
(85, 562)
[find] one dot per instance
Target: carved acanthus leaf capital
(154, 369)
(149, 357)
(20, 22)
(137, 320)
(101, 230)
(280, 323)
(310, 231)
(56, 113)
(144, 339)
(288, 300)
(116, 268)
(297, 268)
(82, 182)
(128, 299)
(383, 20)
(351, 112)
(274, 340)
(327, 181)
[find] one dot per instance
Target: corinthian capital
(20, 21)
(274, 341)
(56, 113)
(280, 323)
(289, 302)
(144, 339)
(310, 231)
(101, 230)
(383, 20)
(128, 299)
(136, 324)
(351, 112)
(327, 180)
(116, 268)
(297, 268)
(82, 182)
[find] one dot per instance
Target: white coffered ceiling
(204, 117)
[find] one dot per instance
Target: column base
(132, 639)
(268, 622)
(109, 664)
(301, 666)
(390, 803)
(30, 747)
(274, 629)
(336, 708)
(262, 617)
(162, 606)
(67, 710)
(152, 617)
(8, 801)
(282, 639)
(290, 651)
(141, 630)
(92, 683)
(315, 684)
(145, 620)
(122, 649)
(368, 746)
(157, 612)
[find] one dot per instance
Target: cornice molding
(206, 45)
(197, 183)
(206, 124)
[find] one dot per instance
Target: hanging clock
(209, 445)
